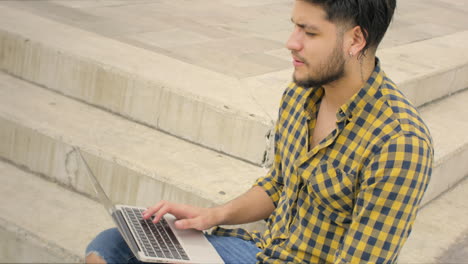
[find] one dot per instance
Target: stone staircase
(153, 127)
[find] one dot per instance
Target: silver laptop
(150, 242)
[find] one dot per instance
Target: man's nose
(294, 42)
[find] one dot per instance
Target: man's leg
(234, 250)
(93, 258)
(109, 247)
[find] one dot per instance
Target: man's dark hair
(372, 16)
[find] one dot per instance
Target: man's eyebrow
(305, 26)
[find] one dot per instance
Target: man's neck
(356, 76)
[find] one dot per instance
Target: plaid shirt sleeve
(391, 187)
(272, 182)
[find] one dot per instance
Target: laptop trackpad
(198, 247)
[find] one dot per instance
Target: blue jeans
(110, 246)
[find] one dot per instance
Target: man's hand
(188, 216)
(252, 206)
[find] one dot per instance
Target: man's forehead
(305, 25)
(309, 15)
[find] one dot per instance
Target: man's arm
(391, 188)
(256, 204)
(252, 206)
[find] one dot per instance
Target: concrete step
(428, 70)
(447, 120)
(233, 115)
(441, 230)
(186, 100)
(42, 222)
(139, 165)
(135, 164)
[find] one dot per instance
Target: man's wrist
(221, 215)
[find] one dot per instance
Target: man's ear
(357, 41)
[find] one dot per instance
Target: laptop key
(157, 240)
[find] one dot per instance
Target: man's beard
(326, 73)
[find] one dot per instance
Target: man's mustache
(298, 57)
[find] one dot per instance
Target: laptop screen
(97, 187)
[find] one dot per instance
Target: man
(352, 156)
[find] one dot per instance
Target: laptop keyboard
(157, 240)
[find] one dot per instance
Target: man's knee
(94, 259)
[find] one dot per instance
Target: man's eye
(310, 34)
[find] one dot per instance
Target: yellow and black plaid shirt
(353, 198)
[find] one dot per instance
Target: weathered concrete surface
(212, 76)
(139, 165)
(429, 70)
(236, 38)
(182, 76)
(39, 128)
(42, 222)
(18, 245)
(458, 252)
(45, 223)
(447, 120)
(439, 234)
(139, 84)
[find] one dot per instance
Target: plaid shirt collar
(364, 96)
(355, 104)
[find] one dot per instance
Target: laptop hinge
(125, 230)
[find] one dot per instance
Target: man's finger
(162, 211)
(154, 209)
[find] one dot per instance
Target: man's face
(316, 47)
